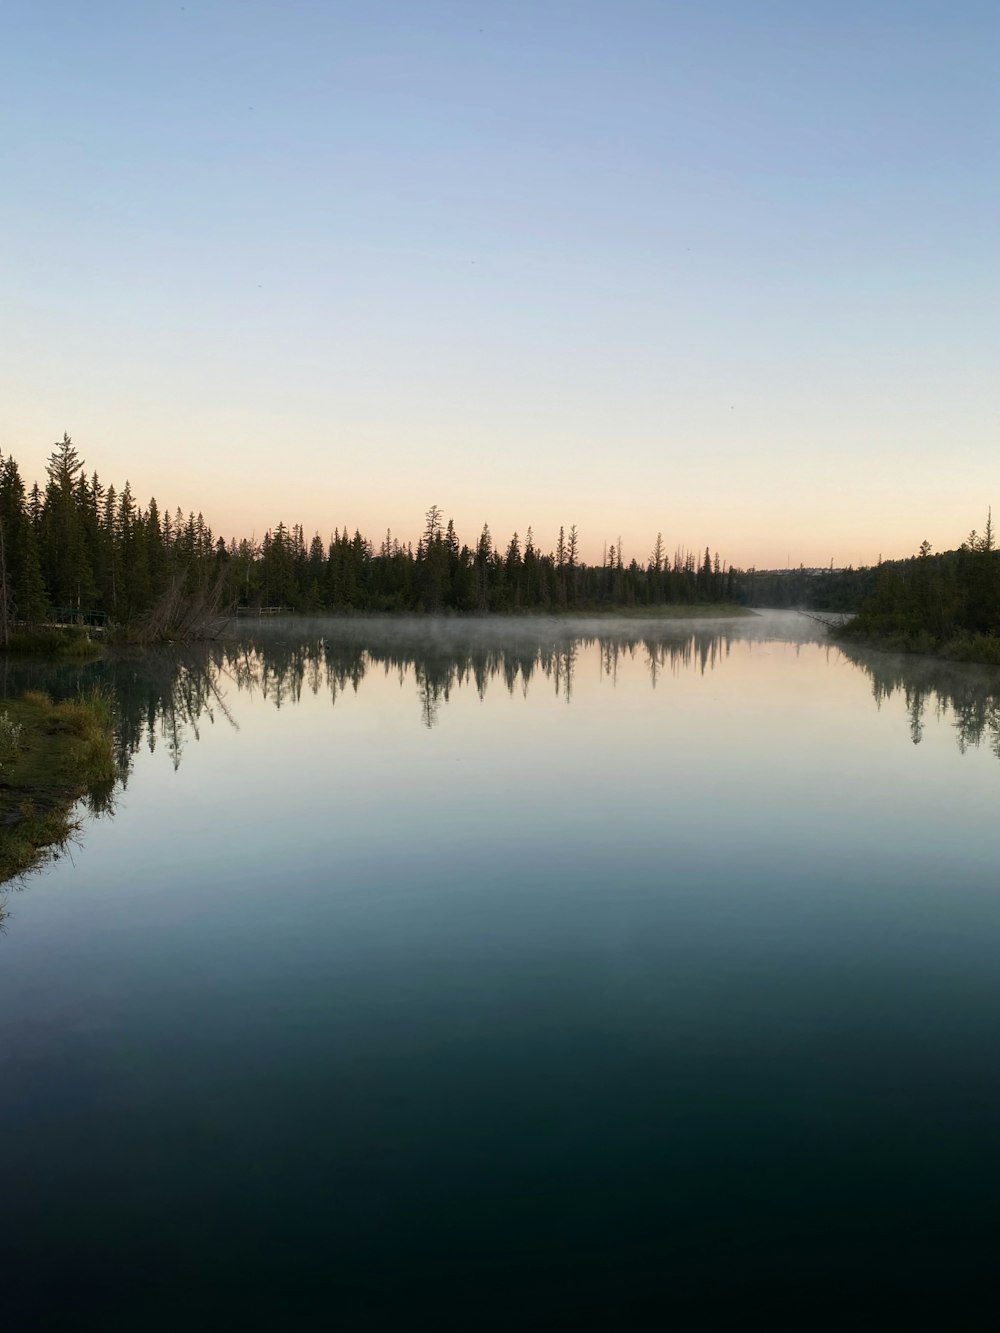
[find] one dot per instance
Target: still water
(499, 975)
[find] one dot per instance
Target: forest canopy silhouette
(76, 549)
(73, 549)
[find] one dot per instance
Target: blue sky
(728, 271)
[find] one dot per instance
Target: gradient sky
(725, 270)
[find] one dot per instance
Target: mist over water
(450, 970)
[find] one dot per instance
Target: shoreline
(974, 649)
(662, 611)
(51, 757)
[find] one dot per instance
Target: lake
(505, 974)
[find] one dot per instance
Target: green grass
(51, 755)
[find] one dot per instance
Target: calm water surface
(495, 975)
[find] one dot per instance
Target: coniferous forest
(946, 604)
(74, 548)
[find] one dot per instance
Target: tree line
(947, 603)
(77, 549)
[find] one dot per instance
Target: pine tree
(64, 559)
(24, 596)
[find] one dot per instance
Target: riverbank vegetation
(947, 604)
(77, 550)
(64, 642)
(51, 756)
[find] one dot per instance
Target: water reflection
(967, 696)
(165, 698)
(672, 933)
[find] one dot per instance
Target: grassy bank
(51, 755)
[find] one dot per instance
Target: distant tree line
(840, 590)
(76, 548)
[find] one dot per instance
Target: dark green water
(436, 977)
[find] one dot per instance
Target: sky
(725, 271)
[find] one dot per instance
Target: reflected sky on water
(426, 965)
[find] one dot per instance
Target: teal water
(511, 975)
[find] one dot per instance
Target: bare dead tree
(182, 616)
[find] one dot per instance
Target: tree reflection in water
(968, 695)
(164, 698)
